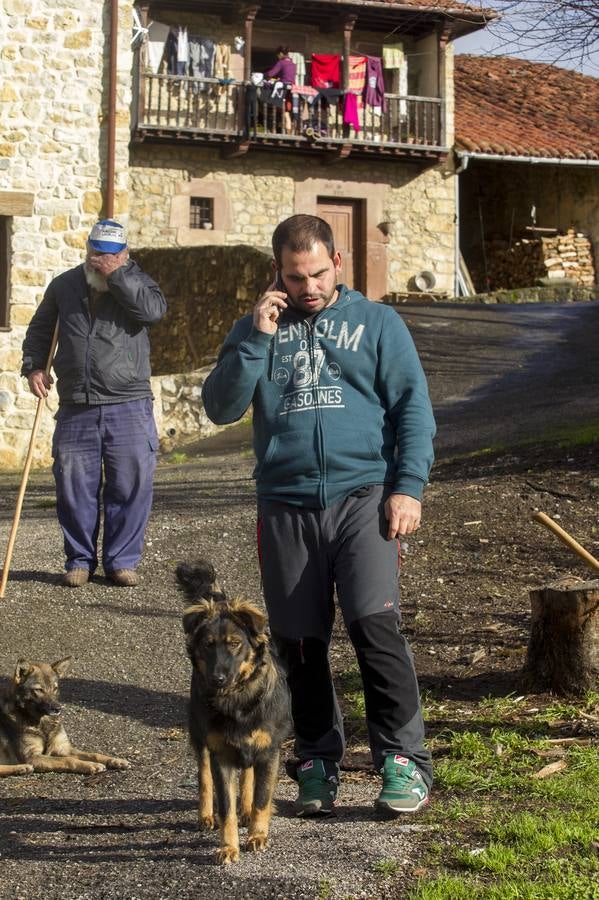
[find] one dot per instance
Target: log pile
(529, 259)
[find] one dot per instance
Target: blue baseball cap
(108, 237)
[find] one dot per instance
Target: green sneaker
(404, 789)
(318, 781)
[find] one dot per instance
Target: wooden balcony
(237, 118)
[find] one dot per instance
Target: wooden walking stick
(38, 415)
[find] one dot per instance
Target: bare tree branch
(553, 30)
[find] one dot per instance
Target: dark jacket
(339, 401)
(101, 360)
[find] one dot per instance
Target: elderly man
(105, 441)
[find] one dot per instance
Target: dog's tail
(198, 580)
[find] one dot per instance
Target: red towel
(326, 69)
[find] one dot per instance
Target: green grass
(512, 836)
(506, 834)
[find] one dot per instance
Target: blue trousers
(104, 456)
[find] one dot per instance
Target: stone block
(78, 40)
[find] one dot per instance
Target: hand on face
(106, 263)
(268, 309)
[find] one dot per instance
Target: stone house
(152, 114)
(527, 151)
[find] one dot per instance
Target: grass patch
(510, 835)
(177, 458)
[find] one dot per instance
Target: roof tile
(519, 108)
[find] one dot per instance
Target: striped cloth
(357, 82)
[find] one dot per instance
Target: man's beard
(95, 280)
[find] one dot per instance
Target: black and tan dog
(238, 712)
(32, 736)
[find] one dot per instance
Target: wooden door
(345, 219)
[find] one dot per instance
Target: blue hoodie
(340, 400)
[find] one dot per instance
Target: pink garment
(350, 111)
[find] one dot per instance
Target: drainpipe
(111, 138)
(348, 27)
(463, 165)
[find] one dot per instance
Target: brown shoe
(75, 577)
(123, 577)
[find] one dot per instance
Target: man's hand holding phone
(269, 307)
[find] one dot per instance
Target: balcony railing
(211, 110)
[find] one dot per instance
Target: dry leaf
(551, 769)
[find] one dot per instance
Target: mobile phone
(279, 286)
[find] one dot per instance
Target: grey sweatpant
(305, 554)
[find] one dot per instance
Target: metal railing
(232, 110)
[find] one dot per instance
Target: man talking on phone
(105, 441)
(343, 432)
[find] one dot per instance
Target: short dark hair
(283, 50)
(300, 233)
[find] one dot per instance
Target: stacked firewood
(569, 255)
(529, 259)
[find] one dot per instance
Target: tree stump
(563, 649)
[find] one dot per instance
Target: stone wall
(261, 189)
(207, 289)
(53, 96)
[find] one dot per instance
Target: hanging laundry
(393, 56)
(357, 83)
(222, 61)
(201, 57)
(157, 35)
(350, 111)
(300, 67)
(326, 70)
(375, 86)
(182, 50)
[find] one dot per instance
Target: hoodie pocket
(290, 457)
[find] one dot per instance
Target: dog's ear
(248, 615)
(61, 666)
(195, 615)
(22, 670)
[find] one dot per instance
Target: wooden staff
(38, 415)
(563, 535)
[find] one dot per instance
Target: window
(201, 212)
(4, 286)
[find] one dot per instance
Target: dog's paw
(227, 855)
(115, 763)
(256, 842)
(207, 823)
(93, 768)
(24, 769)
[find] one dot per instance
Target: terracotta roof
(514, 107)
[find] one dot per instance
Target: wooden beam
(16, 203)
(239, 149)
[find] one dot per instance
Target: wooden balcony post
(141, 58)
(348, 27)
(444, 36)
(249, 14)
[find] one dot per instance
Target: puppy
(238, 711)
(32, 736)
